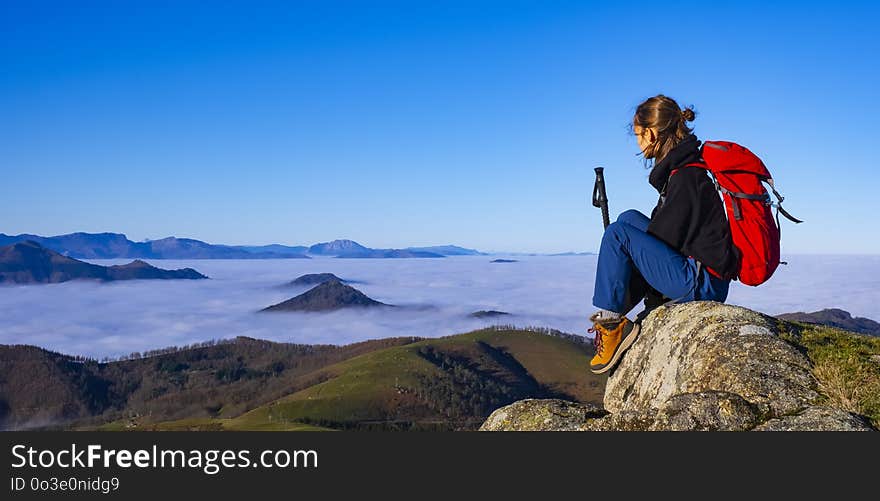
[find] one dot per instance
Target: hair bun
(688, 114)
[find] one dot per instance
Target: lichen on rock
(816, 418)
(542, 414)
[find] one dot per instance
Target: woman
(683, 252)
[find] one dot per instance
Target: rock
(696, 366)
(706, 411)
(541, 414)
(707, 346)
(622, 421)
(817, 418)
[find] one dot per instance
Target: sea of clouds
(118, 318)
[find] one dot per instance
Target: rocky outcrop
(542, 414)
(696, 366)
(709, 347)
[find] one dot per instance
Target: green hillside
(40, 389)
(247, 384)
(446, 383)
(205, 424)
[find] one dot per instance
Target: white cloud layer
(121, 317)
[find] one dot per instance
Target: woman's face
(645, 136)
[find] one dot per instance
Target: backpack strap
(778, 205)
(779, 198)
(785, 213)
(737, 213)
(765, 197)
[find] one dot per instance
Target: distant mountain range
(28, 262)
(835, 317)
(117, 245)
(352, 249)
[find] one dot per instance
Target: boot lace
(598, 332)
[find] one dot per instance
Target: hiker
(683, 252)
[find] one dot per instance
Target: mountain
(275, 249)
(389, 253)
(327, 296)
(337, 247)
(187, 248)
(404, 383)
(709, 366)
(488, 314)
(504, 261)
(314, 279)
(29, 262)
(85, 245)
(138, 269)
(352, 249)
(117, 245)
(834, 317)
(447, 250)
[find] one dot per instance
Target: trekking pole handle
(600, 198)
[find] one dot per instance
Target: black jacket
(689, 215)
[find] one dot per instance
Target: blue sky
(416, 123)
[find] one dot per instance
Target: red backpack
(738, 174)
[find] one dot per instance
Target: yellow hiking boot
(612, 339)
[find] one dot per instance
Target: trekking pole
(600, 198)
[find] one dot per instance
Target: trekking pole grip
(600, 198)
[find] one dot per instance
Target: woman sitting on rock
(684, 251)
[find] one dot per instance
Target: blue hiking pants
(631, 261)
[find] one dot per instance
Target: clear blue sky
(409, 123)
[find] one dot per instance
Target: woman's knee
(615, 229)
(633, 218)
